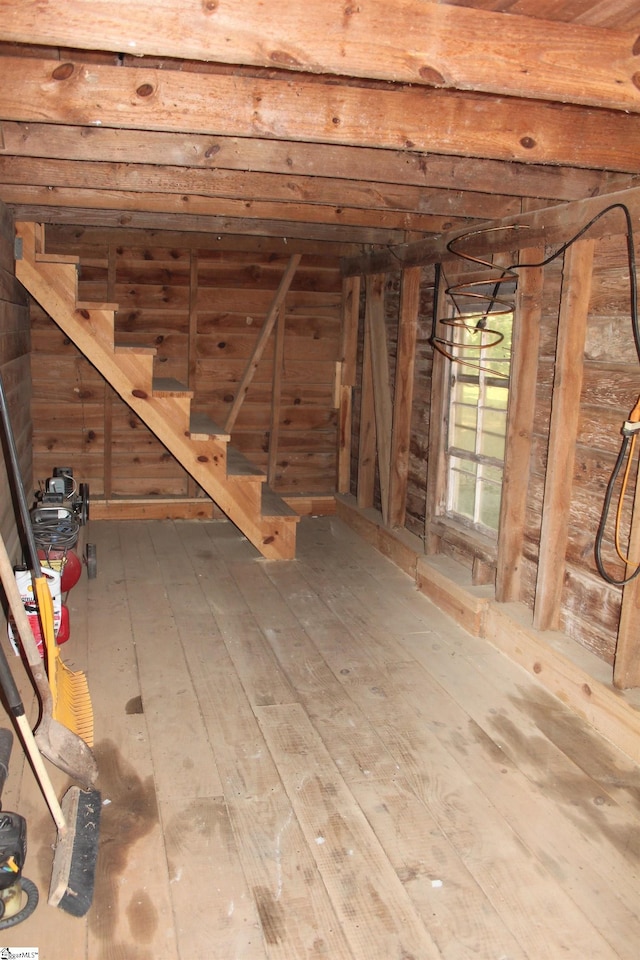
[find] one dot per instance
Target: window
(477, 422)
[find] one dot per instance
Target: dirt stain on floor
(130, 814)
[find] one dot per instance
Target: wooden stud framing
(368, 439)
(522, 393)
(437, 433)
(626, 666)
(403, 395)
(574, 305)
(375, 322)
(261, 343)
(278, 362)
(350, 311)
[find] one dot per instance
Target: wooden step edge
(56, 258)
(274, 506)
(169, 387)
(138, 349)
(240, 468)
(96, 305)
(202, 427)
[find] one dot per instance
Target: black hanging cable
(630, 426)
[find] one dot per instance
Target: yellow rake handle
(47, 625)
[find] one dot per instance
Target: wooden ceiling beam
(549, 225)
(61, 236)
(201, 223)
(383, 222)
(414, 118)
(407, 41)
(296, 159)
(305, 197)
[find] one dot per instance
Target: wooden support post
(261, 343)
(403, 395)
(565, 410)
(192, 351)
(367, 444)
(107, 440)
(436, 469)
(276, 392)
(522, 395)
(350, 311)
(375, 321)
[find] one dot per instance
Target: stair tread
(170, 387)
(97, 305)
(239, 466)
(56, 258)
(141, 348)
(202, 427)
(274, 506)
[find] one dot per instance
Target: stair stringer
(54, 285)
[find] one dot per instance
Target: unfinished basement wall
(590, 607)
(16, 374)
(203, 311)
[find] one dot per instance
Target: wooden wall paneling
(109, 394)
(436, 479)
(367, 440)
(192, 341)
(278, 361)
(375, 321)
(565, 410)
(403, 394)
(265, 333)
(522, 395)
(349, 310)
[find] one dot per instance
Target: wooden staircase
(164, 404)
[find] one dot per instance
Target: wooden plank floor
(306, 759)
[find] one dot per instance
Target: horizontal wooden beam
(219, 226)
(296, 159)
(549, 225)
(414, 207)
(411, 118)
(410, 41)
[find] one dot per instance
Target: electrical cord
(630, 427)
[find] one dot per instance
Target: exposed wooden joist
(548, 225)
(409, 41)
(296, 159)
(198, 205)
(250, 188)
(563, 431)
(462, 124)
(61, 235)
(322, 235)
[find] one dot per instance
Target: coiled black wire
(508, 272)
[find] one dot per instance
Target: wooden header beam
(550, 225)
(407, 41)
(409, 118)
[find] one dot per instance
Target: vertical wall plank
(367, 446)
(350, 310)
(565, 410)
(278, 363)
(108, 390)
(436, 478)
(403, 394)
(375, 320)
(522, 395)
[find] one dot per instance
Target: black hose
(28, 887)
